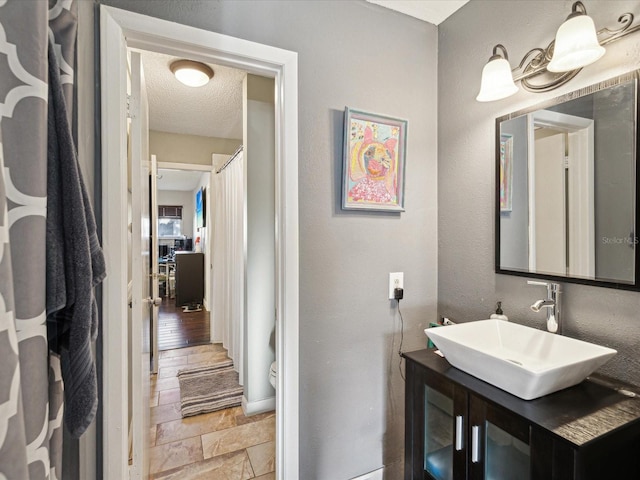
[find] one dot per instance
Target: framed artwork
(506, 172)
(374, 162)
(201, 205)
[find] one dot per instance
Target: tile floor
(223, 444)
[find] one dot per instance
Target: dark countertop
(596, 407)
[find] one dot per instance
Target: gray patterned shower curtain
(31, 406)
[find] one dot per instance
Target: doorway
(197, 125)
(183, 315)
(561, 184)
(152, 34)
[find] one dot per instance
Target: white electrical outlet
(396, 280)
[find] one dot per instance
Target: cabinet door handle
(459, 426)
(475, 443)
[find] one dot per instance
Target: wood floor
(177, 329)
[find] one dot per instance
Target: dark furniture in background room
(189, 278)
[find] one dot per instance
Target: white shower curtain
(229, 261)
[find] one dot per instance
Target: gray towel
(75, 264)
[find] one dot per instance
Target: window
(169, 220)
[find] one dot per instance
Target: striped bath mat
(209, 388)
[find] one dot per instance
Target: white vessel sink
(524, 361)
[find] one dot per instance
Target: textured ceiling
(432, 11)
(214, 110)
(183, 180)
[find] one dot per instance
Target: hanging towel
(75, 264)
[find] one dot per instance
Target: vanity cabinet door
(436, 428)
(499, 443)
(458, 427)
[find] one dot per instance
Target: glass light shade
(192, 77)
(192, 74)
(576, 45)
(497, 81)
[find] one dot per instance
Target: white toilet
(272, 375)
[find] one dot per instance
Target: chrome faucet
(551, 303)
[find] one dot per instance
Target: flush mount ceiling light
(191, 73)
(576, 45)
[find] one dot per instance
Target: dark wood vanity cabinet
(458, 427)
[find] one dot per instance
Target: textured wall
(195, 149)
(370, 58)
(614, 170)
(514, 224)
(260, 290)
(467, 284)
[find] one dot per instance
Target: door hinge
(566, 162)
(129, 114)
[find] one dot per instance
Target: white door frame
(142, 307)
(581, 182)
(120, 29)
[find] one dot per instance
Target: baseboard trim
(375, 475)
(260, 406)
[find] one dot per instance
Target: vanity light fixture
(497, 81)
(191, 73)
(576, 45)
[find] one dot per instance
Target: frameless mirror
(566, 187)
